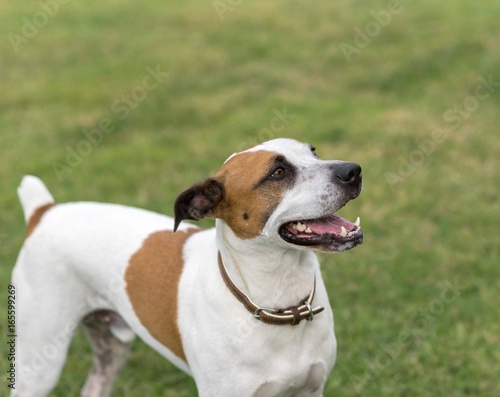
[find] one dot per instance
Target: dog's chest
(309, 381)
(262, 359)
(292, 364)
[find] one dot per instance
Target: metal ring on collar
(311, 313)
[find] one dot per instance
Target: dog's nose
(347, 173)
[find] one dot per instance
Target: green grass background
(226, 79)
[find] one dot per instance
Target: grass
(429, 209)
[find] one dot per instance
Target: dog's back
(72, 267)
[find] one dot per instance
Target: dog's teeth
(358, 222)
(301, 227)
(308, 230)
(343, 231)
(294, 225)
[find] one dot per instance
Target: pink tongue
(332, 224)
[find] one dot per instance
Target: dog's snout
(347, 173)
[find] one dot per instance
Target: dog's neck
(271, 276)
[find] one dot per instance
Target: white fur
(237, 351)
(76, 258)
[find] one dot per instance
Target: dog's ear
(199, 201)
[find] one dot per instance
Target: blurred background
(131, 102)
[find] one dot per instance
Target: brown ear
(199, 201)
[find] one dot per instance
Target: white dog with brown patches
(241, 307)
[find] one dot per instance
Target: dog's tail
(33, 194)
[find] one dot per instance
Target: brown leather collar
(292, 315)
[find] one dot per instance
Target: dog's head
(280, 191)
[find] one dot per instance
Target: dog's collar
(292, 315)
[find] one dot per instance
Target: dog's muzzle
(330, 232)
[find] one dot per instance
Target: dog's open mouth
(330, 233)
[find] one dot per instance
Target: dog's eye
(278, 173)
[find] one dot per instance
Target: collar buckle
(257, 311)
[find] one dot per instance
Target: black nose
(347, 173)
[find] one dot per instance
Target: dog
(241, 307)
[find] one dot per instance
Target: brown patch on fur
(244, 194)
(36, 217)
(152, 279)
